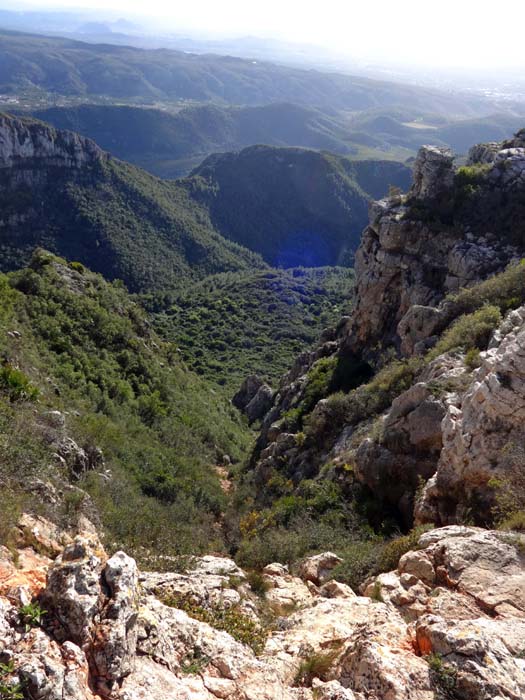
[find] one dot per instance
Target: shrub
(394, 549)
(472, 359)
(360, 560)
(368, 399)
(317, 665)
(258, 583)
(16, 385)
(374, 556)
(505, 290)
(469, 331)
(241, 627)
(77, 266)
(509, 509)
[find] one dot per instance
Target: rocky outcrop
(30, 144)
(483, 430)
(254, 398)
(406, 447)
(411, 256)
(433, 172)
(453, 610)
(454, 229)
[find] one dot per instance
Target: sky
(462, 33)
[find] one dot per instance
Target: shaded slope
(107, 214)
(294, 207)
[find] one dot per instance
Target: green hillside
(294, 207)
(69, 341)
(235, 324)
(111, 216)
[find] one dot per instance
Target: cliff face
(436, 431)
(26, 144)
(439, 238)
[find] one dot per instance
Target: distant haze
(468, 34)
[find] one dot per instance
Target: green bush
(374, 556)
(368, 399)
(16, 385)
(469, 331)
(505, 290)
(258, 583)
(231, 620)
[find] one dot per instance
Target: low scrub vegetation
(240, 323)
(241, 627)
(91, 353)
(469, 332)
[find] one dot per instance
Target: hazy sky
(465, 33)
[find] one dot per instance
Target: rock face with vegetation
(411, 408)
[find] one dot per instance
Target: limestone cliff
(26, 144)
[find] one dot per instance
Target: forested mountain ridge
(71, 67)
(171, 142)
(111, 216)
(60, 191)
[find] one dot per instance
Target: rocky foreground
(448, 623)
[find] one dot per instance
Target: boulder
(317, 568)
(247, 391)
(260, 404)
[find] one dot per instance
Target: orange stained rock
(30, 571)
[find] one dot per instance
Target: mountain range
(63, 192)
(74, 68)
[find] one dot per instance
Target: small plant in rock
(31, 615)
(376, 594)
(317, 665)
(9, 690)
(444, 676)
(194, 662)
(258, 583)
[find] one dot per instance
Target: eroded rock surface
(459, 597)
